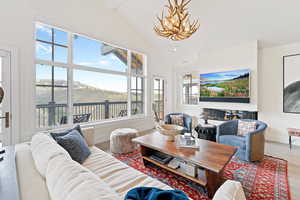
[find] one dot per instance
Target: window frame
(163, 90)
(190, 94)
(71, 67)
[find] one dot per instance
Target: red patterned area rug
(266, 180)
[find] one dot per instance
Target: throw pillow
(177, 120)
(75, 145)
(244, 127)
(43, 149)
(230, 190)
(59, 134)
(152, 193)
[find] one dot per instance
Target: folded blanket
(151, 193)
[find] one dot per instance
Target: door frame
(14, 93)
(152, 90)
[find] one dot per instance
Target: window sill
(96, 123)
(114, 121)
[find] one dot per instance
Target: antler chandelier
(176, 24)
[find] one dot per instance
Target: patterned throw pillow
(244, 127)
(177, 119)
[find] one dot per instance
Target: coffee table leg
(214, 181)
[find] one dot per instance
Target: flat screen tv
(228, 86)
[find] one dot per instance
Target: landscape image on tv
(229, 86)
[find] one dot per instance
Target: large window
(80, 80)
(190, 88)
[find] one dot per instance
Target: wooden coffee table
(211, 157)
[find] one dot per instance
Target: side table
(207, 131)
(293, 132)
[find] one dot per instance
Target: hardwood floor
(273, 149)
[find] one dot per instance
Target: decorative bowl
(170, 131)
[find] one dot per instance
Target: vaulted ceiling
(224, 23)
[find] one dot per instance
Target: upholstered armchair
(251, 146)
(187, 121)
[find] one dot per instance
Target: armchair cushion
(244, 127)
(177, 120)
(233, 140)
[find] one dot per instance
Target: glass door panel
(5, 135)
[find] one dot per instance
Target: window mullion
(144, 86)
(129, 83)
(70, 79)
(52, 69)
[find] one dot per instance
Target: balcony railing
(52, 114)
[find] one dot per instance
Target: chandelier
(176, 24)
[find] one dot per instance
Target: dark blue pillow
(63, 133)
(75, 145)
(152, 193)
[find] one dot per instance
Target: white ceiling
(224, 23)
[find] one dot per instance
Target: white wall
(271, 92)
(239, 57)
(91, 18)
(266, 84)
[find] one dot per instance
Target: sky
(228, 75)
(86, 52)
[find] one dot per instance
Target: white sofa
(46, 171)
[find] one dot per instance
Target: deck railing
(53, 114)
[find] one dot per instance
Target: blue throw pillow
(75, 145)
(151, 193)
(59, 134)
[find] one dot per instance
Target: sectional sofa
(47, 172)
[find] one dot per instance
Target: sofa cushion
(118, 175)
(43, 149)
(89, 135)
(230, 190)
(32, 185)
(233, 140)
(75, 145)
(68, 180)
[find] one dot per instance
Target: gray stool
(121, 140)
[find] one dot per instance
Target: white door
(5, 107)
